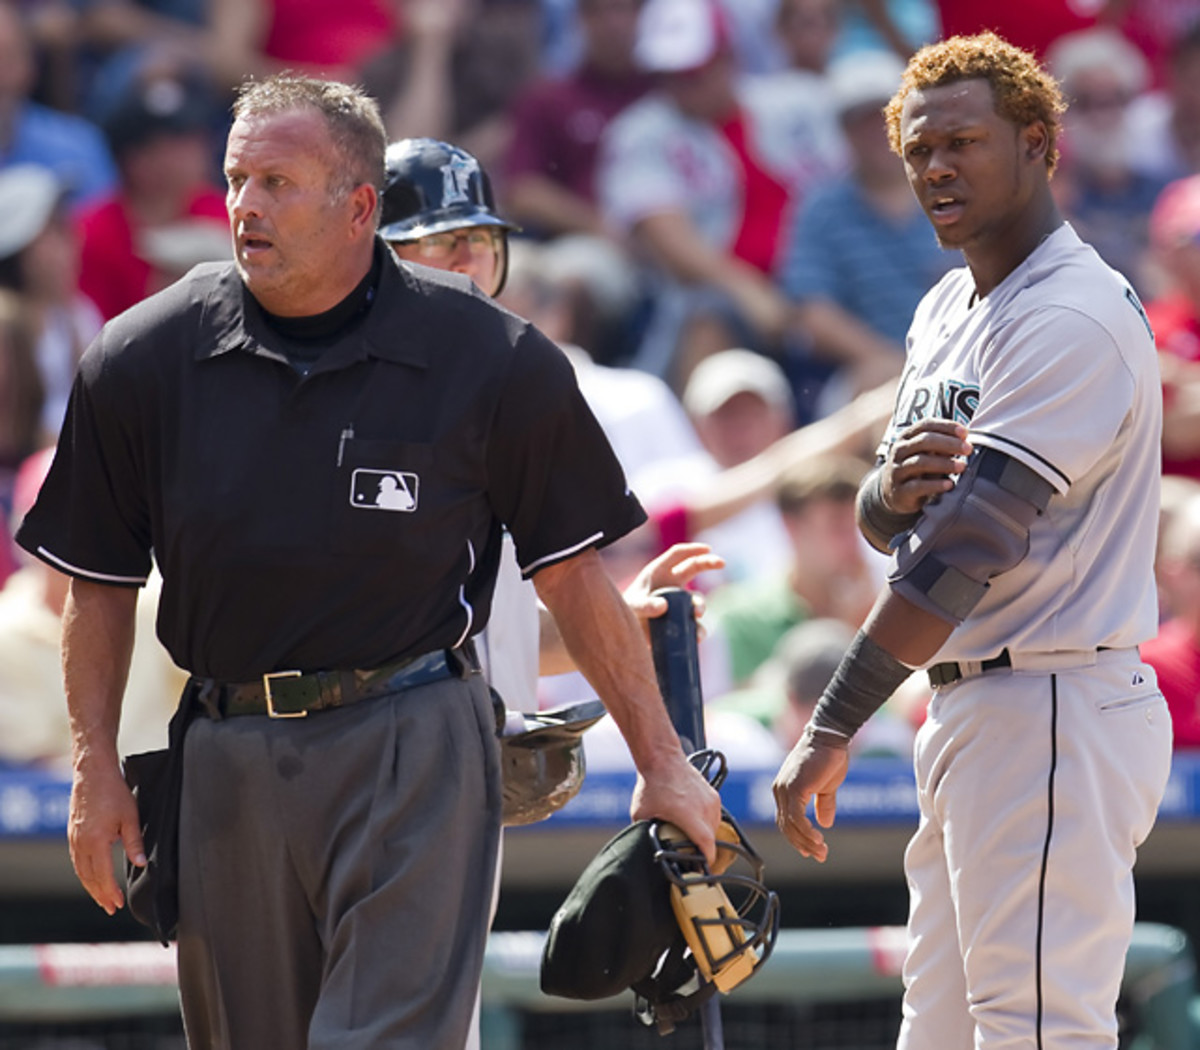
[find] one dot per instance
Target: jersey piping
(75, 570)
(1000, 439)
(566, 552)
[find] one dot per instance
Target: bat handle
(677, 666)
(673, 643)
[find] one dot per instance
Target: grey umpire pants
(337, 873)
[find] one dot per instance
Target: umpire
(320, 444)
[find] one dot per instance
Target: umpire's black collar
(398, 326)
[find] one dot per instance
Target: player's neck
(992, 262)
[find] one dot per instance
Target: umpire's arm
(604, 639)
(97, 639)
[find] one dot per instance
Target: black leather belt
(293, 694)
(944, 674)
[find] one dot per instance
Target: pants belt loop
(463, 659)
(208, 696)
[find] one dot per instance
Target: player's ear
(1035, 141)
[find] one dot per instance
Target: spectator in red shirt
(1175, 318)
(1175, 653)
(166, 214)
(551, 162)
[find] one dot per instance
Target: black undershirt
(309, 337)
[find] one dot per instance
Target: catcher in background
(1017, 487)
(438, 210)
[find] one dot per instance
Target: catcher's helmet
(648, 914)
(542, 765)
(433, 187)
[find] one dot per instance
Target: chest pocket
(384, 499)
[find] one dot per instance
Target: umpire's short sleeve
(90, 519)
(553, 478)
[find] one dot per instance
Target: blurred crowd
(712, 226)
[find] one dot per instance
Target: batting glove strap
(863, 681)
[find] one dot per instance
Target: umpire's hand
(811, 768)
(103, 811)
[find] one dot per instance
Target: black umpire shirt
(341, 520)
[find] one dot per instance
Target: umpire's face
(300, 245)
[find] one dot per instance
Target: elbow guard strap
(977, 530)
(863, 681)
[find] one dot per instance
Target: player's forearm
(424, 104)
(896, 637)
(553, 657)
(604, 639)
(911, 634)
(838, 335)
(97, 642)
(535, 200)
(676, 243)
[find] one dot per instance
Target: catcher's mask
(648, 914)
(433, 187)
(542, 763)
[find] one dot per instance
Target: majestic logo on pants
(384, 490)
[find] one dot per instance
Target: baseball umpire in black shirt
(318, 446)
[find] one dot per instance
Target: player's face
(292, 235)
(476, 251)
(974, 172)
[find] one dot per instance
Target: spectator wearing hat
(1175, 319)
(862, 253)
(741, 403)
(690, 174)
(1098, 185)
(795, 101)
(166, 214)
(68, 145)
(1166, 123)
(39, 260)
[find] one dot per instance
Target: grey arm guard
(878, 523)
(865, 678)
(977, 530)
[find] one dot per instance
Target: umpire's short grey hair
(352, 116)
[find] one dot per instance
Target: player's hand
(675, 567)
(921, 463)
(102, 812)
(679, 794)
(811, 768)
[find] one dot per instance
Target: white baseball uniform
(1038, 781)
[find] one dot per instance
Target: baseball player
(1017, 488)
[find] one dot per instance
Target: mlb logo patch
(384, 490)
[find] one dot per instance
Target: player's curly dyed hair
(1023, 91)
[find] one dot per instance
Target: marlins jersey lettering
(1050, 368)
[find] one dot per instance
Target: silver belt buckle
(271, 712)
